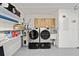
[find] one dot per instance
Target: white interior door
(68, 34)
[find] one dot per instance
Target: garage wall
(39, 12)
(42, 13)
(32, 11)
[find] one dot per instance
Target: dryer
(45, 34)
(34, 38)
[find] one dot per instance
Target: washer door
(33, 34)
(45, 34)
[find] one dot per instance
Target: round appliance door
(45, 34)
(33, 34)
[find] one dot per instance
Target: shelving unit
(7, 21)
(6, 12)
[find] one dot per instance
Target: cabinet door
(42, 22)
(46, 22)
(36, 22)
(53, 23)
(50, 22)
(39, 22)
(68, 34)
(1, 51)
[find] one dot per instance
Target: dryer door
(33, 34)
(45, 34)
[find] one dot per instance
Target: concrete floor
(47, 52)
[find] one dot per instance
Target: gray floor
(47, 52)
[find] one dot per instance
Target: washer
(34, 38)
(34, 35)
(45, 35)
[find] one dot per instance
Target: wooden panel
(44, 22)
(53, 23)
(39, 22)
(47, 22)
(50, 22)
(36, 22)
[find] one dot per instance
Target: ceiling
(45, 5)
(41, 8)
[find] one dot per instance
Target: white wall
(39, 12)
(42, 13)
(30, 18)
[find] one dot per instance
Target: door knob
(74, 21)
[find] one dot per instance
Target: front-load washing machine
(45, 34)
(34, 38)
